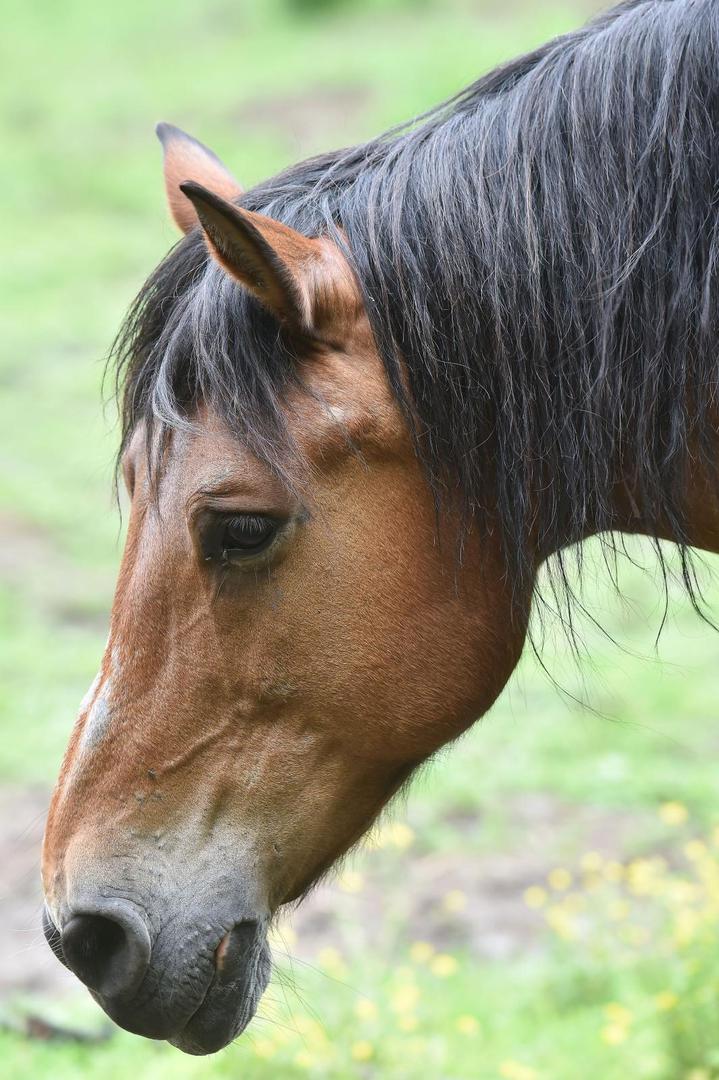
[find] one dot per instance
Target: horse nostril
(109, 952)
(234, 953)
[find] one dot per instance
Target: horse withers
(362, 403)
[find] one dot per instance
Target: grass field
(545, 902)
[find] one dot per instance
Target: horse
(362, 404)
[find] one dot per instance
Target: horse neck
(700, 525)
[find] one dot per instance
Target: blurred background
(545, 899)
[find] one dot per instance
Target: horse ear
(187, 159)
(286, 271)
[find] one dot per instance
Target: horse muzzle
(196, 983)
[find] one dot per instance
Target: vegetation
(587, 835)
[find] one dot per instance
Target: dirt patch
(26, 964)
(404, 897)
(387, 917)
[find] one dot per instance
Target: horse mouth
(225, 1010)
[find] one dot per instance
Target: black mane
(542, 253)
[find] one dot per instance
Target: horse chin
(225, 1012)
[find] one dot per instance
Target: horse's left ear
(299, 279)
(186, 158)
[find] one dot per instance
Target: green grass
(84, 221)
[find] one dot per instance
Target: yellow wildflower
(443, 965)
(673, 813)
(421, 952)
(559, 879)
(592, 881)
(695, 850)
(308, 1027)
(304, 1060)
(514, 1070)
(467, 1025)
(592, 862)
(666, 1000)
(365, 1009)
(330, 960)
(282, 937)
(574, 902)
(643, 877)
(402, 836)
(351, 881)
(454, 901)
(404, 998)
(614, 1034)
(613, 871)
(264, 1048)
(362, 1050)
(618, 1014)
(395, 834)
(535, 896)
(561, 922)
(685, 927)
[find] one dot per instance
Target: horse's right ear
(188, 159)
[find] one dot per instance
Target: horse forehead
(349, 395)
(340, 396)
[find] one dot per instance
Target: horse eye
(246, 534)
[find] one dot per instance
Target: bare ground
(27, 967)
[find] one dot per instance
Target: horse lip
(159, 1026)
(178, 1040)
(225, 1010)
(199, 1043)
